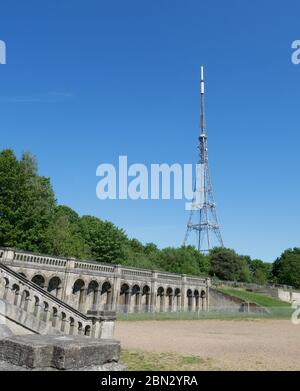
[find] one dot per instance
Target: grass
(277, 309)
(258, 298)
(136, 360)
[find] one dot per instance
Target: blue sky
(87, 81)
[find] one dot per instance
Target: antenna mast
(203, 217)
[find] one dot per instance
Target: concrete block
(59, 352)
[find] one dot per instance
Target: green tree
(105, 241)
(226, 264)
(286, 268)
(63, 237)
(26, 202)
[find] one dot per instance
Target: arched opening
(54, 317)
(136, 297)
(16, 294)
(87, 331)
(197, 299)
(92, 295)
(106, 295)
(177, 299)
(39, 280)
(203, 297)
(190, 299)
(63, 322)
(146, 302)
(169, 294)
(37, 308)
(161, 298)
(72, 325)
(80, 328)
(45, 314)
(54, 286)
(125, 297)
(79, 294)
(24, 300)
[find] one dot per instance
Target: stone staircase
(31, 307)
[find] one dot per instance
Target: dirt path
(226, 345)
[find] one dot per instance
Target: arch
(161, 301)
(39, 280)
(80, 328)
(136, 293)
(79, 293)
(145, 301)
(22, 274)
(36, 309)
(124, 297)
(203, 297)
(63, 318)
(189, 294)
(72, 325)
(197, 299)
(16, 292)
(45, 313)
(169, 294)
(87, 330)
(54, 316)
(24, 300)
(54, 286)
(106, 295)
(92, 294)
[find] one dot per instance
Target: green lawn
(277, 308)
(136, 360)
(258, 298)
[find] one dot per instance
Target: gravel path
(225, 344)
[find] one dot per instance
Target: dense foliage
(31, 219)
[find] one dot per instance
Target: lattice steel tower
(203, 217)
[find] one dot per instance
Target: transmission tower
(203, 217)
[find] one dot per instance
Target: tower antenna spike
(203, 217)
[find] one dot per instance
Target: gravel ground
(224, 344)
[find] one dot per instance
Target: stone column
(67, 283)
(8, 256)
(83, 300)
(153, 293)
(183, 293)
(116, 287)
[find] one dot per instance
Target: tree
(226, 264)
(105, 241)
(286, 268)
(26, 202)
(63, 237)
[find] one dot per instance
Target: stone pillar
(103, 323)
(67, 283)
(116, 287)
(183, 293)
(153, 293)
(8, 256)
(65, 328)
(83, 300)
(208, 284)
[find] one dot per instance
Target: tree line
(32, 220)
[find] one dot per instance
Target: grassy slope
(258, 298)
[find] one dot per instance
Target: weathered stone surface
(5, 331)
(58, 352)
(28, 351)
(76, 352)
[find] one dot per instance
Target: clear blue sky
(86, 81)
